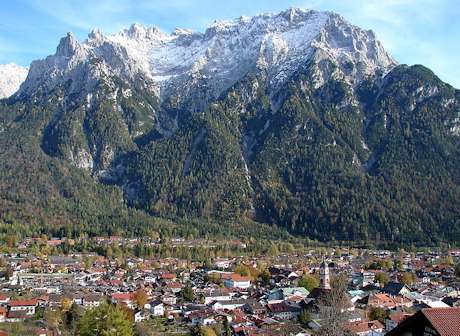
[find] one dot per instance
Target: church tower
(324, 276)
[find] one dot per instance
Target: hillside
(297, 119)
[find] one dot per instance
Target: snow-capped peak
(178, 63)
(11, 77)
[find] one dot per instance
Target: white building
(228, 305)
(27, 306)
(157, 308)
(237, 281)
(141, 315)
(218, 295)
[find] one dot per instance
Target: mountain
(297, 119)
(224, 54)
(11, 77)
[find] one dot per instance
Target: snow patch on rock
(11, 77)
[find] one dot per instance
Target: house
(17, 316)
(201, 316)
(388, 302)
(368, 278)
(54, 300)
(254, 307)
(435, 304)
(167, 277)
(356, 295)
(228, 304)
(43, 300)
(170, 300)
(384, 301)
(217, 295)
(365, 328)
(281, 294)
(223, 263)
(4, 299)
(396, 288)
(235, 280)
(363, 278)
(174, 287)
(78, 298)
(293, 276)
(157, 308)
(150, 279)
(25, 306)
(92, 300)
(141, 315)
(394, 319)
(123, 298)
(430, 321)
(283, 311)
(452, 302)
(280, 279)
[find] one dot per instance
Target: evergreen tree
(188, 294)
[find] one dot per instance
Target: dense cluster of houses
(248, 305)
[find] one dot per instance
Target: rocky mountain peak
(96, 35)
(293, 14)
(139, 31)
(68, 46)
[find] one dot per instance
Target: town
(47, 287)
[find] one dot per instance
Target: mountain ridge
(259, 43)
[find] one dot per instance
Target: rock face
(11, 77)
(183, 72)
(297, 119)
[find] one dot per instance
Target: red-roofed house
(394, 319)
(17, 316)
(4, 299)
(168, 276)
(365, 328)
(26, 306)
(235, 280)
(385, 301)
(283, 310)
(430, 321)
(174, 287)
(123, 298)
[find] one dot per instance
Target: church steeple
(324, 276)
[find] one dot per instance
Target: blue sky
(414, 31)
